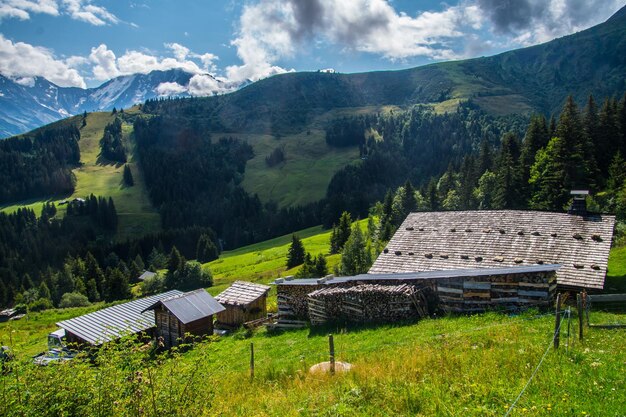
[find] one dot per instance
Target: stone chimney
(579, 203)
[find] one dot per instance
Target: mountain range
(25, 107)
(533, 79)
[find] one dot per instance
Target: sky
(83, 43)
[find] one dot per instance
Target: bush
(40, 304)
(73, 299)
(153, 285)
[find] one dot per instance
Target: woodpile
(366, 303)
(510, 292)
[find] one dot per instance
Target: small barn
(244, 302)
(113, 322)
(185, 314)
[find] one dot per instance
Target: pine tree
(537, 137)
(175, 260)
(321, 267)
(94, 272)
(341, 234)
(409, 203)
(128, 176)
(484, 194)
(485, 158)
(508, 175)
(356, 257)
(206, 251)
(617, 173)
(92, 290)
(116, 286)
(4, 294)
(608, 141)
(295, 255)
(44, 291)
(550, 177)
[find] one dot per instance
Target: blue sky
(86, 42)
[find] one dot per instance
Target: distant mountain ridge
(533, 79)
(24, 107)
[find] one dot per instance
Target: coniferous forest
(410, 160)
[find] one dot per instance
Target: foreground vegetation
(471, 366)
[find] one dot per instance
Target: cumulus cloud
(532, 21)
(170, 89)
(83, 10)
(107, 65)
(274, 29)
(22, 61)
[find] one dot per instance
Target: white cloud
(170, 89)
(273, 29)
(21, 60)
(527, 22)
(21, 9)
(82, 10)
(107, 65)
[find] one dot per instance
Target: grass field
(450, 366)
(135, 212)
(265, 261)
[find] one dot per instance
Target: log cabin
(243, 302)
(184, 315)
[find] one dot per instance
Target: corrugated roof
(113, 322)
(242, 293)
(412, 276)
(190, 306)
(430, 241)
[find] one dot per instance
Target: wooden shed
(244, 301)
(186, 314)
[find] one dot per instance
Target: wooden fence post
(557, 321)
(331, 347)
(579, 307)
(251, 361)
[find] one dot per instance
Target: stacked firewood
(367, 303)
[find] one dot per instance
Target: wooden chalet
(243, 302)
(435, 241)
(188, 314)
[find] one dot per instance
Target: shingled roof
(242, 293)
(430, 241)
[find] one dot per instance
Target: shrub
(73, 299)
(40, 304)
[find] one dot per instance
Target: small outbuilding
(146, 275)
(185, 314)
(243, 302)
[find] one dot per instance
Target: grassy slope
(616, 277)
(470, 366)
(136, 214)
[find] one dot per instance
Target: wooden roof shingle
(242, 293)
(430, 241)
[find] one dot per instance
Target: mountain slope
(537, 78)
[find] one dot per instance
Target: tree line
(39, 164)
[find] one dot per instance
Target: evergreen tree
(44, 291)
(206, 251)
(485, 157)
(356, 257)
(609, 135)
(295, 255)
(550, 177)
(486, 190)
(508, 179)
(4, 294)
(128, 176)
(408, 202)
(93, 272)
(92, 290)
(175, 261)
(340, 235)
(116, 286)
(321, 267)
(617, 173)
(537, 137)
(139, 262)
